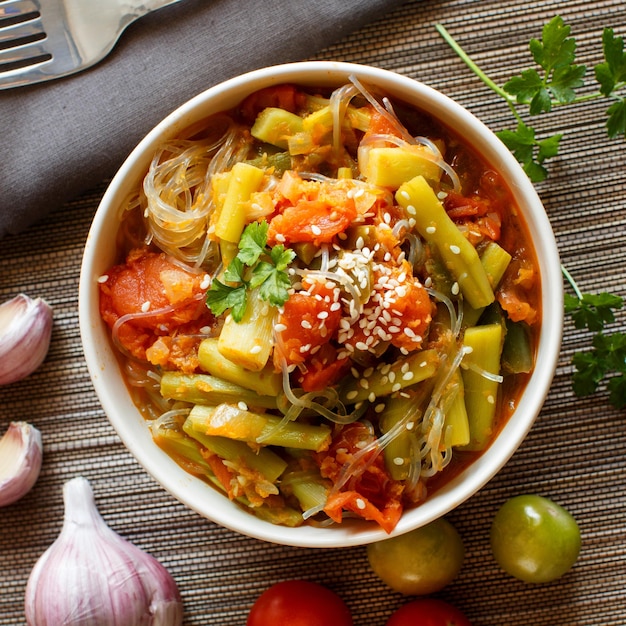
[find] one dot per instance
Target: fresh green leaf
(555, 54)
(281, 257)
(252, 243)
(589, 373)
(529, 151)
(221, 297)
(616, 123)
(564, 82)
(268, 272)
(612, 71)
(592, 311)
(556, 48)
(525, 86)
(234, 271)
(617, 391)
(275, 289)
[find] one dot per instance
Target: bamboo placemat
(574, 454)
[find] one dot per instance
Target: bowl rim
(103, 366)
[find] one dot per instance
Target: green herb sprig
(606, 360)
(554, 81)
(255, 266)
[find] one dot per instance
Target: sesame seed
(360, 503)
(410, 425)
(280, 238)
(306, 324)
(410, 209)
(491, 399)
(351, 395)
(407, 376)
(398, 461)
(455, 289)
(305, 348)
(405, 194)
(455, 249)
(206, 282)
(103, 278)
(396, 387)
(361, 346)
(405, 368)
(379, 408)
(431, 230)
(322, 315)
(279, 328)
(316, 230)
(372, 397)
(145, 307)
(409, 332)
(255, 349)
(242, 405)
(364, 383)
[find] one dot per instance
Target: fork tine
(28, 53)
(17, 8)
(20, 31)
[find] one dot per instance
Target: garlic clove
(20, 461)
(25, 331)
(91, 575)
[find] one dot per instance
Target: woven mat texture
(575, 454)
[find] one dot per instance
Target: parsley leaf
(555, 54)
(255, 266)
(252, 243)
(554, 81)
(606, 360)
(612, 71)
(221, 297)
(529, 151)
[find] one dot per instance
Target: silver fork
(45, 39)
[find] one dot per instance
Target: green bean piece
(517, 353)
(207, 389)
(244, 180)
(264, 460)
(308, 487)
(386, 378)
(480, 365)
(181, 448)
(275, 126)
(456, 423)
(397, 453)
(280, 516)
(458, 254)
(495, 260)
(227, 420)
(265, 382)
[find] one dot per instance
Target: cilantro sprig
(553, 81)
(255, 266)
(606, 360)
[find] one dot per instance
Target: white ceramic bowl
(126, 419)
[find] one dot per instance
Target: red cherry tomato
(299, 603)
(428, 612)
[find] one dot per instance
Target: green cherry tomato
(427, 612)
(421, 561)
(534, 539)
(299, 603)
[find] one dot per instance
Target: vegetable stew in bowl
(326, 302)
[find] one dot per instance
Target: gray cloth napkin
(65, 136)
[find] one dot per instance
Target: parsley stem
(572, 282)
(473, 66)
